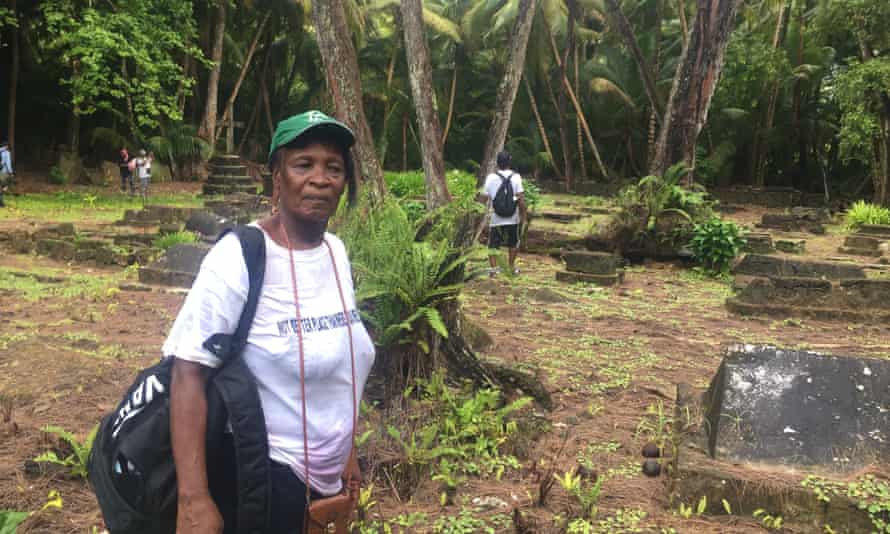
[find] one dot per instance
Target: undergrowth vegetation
(715, 243)
(166, 241)
(657, 211)
(862, 212)
(71, 206)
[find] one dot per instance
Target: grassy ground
(70, 342)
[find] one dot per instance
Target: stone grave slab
(878, 230)
(862, 245)
(762, 265)
(791, 246)
(597, 279)
(178, 267)
(591, 262)
(797, 408)
(788, 222)
(758, 242)
(208, 224)
(560, 217)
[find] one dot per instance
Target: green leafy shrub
(57, 177)
(715, 243)
(412, 184)
(166, 241)
(862, 212)
(77, 460)
(532, 194)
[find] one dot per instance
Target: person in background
(504, 228)
(123, 163)
(143, 165)
(6, 172)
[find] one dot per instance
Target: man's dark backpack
(131, 465)
(504, 201)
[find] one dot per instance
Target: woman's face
(311, 180)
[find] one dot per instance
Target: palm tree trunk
(580, 112)
(509, 86)
(656, 69)
(759, 156)
(694, 83)
(230, 103)
(540, 123)
(450, 106)
(579, 137)
(627, 33)
(420, 75)
(344, 84)
(561, 114)
(208, 124)
(13, 84)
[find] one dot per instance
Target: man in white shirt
(508, 211)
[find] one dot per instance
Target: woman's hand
(198, 515)
(352, 474)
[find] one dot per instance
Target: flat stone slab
(184, 257)
(597, 279)
(790, 223)
(601, 263)
(797, 408)
(207, 223)
(163, 277)
(852, 251)
(860, 300)
(758, 242)
(881, 230)
(862, 241)
(560, 216)
(761, 265)
(791, 246)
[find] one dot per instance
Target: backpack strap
(504, 177)
(253, 248)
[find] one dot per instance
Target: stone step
(597, 279)
(880, 230)
(599, 263)
(560, 216)
(214, 189)
(226, 159)
(229, 179)
(855, 251)
(790, 223)
(791, 246)
(759, 242)
(862, 242)
(762, 265)
(228, 170)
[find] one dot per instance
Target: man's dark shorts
(506, 235)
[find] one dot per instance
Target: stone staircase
(228, 175)
(867, 241)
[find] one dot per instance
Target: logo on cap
(313, 117)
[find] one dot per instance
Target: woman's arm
(197, 513)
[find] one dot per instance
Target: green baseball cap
(295, 126)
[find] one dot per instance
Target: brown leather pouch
(336, 510)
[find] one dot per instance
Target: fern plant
(77, 460)
(861, 212)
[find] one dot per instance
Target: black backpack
(131, 466)
(504, 202)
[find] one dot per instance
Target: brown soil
(605, 354)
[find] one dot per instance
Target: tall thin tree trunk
(186, 71)
(694, 83)
(579, 136)
(450, 106)
(388, 108)
(405, 142)
(563, 121)
(684, 26)
(13, 84)
(772, 94)
(230, 103)
(627, 33)
(656, 69)
(420, 74)
(540, 123)
(580, 112)
(509, 86)
(208, 123)
(797, 139)
(344, 84)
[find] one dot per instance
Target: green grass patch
(176, 238)
(91, 287)
(79, 206)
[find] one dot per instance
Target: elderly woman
(307, 348)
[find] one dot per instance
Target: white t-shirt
(492, 184)
(214, 304)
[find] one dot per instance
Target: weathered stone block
(598, 279)
(880, 230)
(561, 217)
(791, 246)
(590, 262)
(798, 408)
(790, 223)
(170, 228)
(758, 242)
(857, 241)
(207, 223)
(56, 249)
(761, 265)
